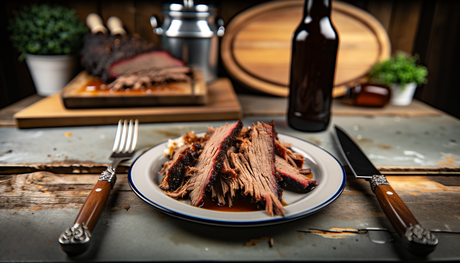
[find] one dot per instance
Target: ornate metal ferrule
(420, 235)
(109, 176)
(77, 234)
(378, 179)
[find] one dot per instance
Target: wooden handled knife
(416, 238)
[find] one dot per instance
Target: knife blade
(416, 238)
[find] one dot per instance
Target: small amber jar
(368, 95)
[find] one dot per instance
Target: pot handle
(220, 27)
(155, 23)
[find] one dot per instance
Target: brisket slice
(224, 189)
(228, 169)
(256, 166)
(272, 123)
(209, 163)
(137, 79)
(295, 159)
(174, 170)
(226, 184)
(293, 178)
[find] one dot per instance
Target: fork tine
(116, 142)
(123, 136)
(134, 142)
(130, 136)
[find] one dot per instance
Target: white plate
(329, 174)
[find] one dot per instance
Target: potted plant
(402, 74)
(48, 37)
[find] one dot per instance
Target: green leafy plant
(400, 69)
(46, 30)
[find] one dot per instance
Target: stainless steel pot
(190, 32)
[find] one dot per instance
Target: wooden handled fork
(76, 239)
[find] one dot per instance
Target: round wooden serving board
(256, 48)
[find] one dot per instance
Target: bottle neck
(316, 9)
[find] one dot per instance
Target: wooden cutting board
(83, 92)
(221, 104)
(256, 48)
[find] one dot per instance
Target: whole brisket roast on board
(107, 56)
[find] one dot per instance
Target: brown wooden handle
(92, 208)
(415, 237)
(76, 239)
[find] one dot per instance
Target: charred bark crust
(289, 183)
(99, 52)
(219, 161)
(292, 177)
(174, 174)
(224, 146)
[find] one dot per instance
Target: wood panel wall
(438, 43)
(429, 28)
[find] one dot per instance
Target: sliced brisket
(245, 161)
(174, 170)
(256, 166)
(272, 123)
(228, 171)
(138, 79)
(209, 163)
(293, 178)
(295, 159)
(224, 189)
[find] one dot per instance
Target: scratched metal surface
(130, 230)
(430, 141)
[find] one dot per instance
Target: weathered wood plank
(45, 190)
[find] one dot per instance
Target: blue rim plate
(144, 180)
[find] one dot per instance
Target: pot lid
(256, 48)
(189, 9)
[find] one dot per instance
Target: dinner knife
(416, 238)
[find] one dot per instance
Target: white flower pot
(400, 96)
(51, 73)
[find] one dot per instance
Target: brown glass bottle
(314, 51)
(368, 95)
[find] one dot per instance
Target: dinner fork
(76, 239)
